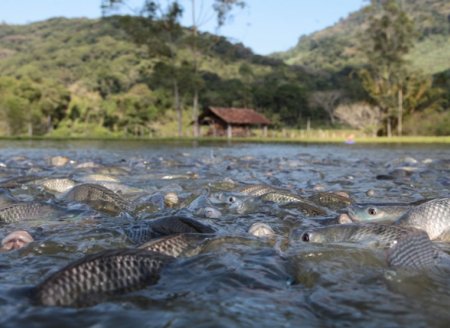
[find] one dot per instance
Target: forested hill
(83, 72)
(74, 50)
(336, 47)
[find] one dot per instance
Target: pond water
(240, 280)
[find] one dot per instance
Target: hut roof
(239, 115)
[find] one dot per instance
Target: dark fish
(16, 182)
(93, 278)
(432, 217)
(282, 197)
(99, 198)
(26, 211)
(256, 190)
(332, 200)
(307, 208)
(174, 245)
(165, 227)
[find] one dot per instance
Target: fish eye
(231, 199)
(305, 237)
(372, 211)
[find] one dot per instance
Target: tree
(387, 39)
(158, 28)
(361, 116)
(328, 101)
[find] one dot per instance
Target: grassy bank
(312, 138)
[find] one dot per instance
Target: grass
(314, 137)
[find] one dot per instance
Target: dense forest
(82, 77)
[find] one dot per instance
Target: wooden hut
(232, 121)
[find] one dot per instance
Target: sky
(266, 26)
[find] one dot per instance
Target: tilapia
(260, 229)
(57, 184)
(416, 251)
(377, 212)
(99, 198)
(306, 208)
(282, 197)
(433, 217)
(16, 240)
(255, 190)
(24, 211)
(332, 200)
(375, 235)
(16, 182)
(93, 278)
(174, 245)
(164, 227)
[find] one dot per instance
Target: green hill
(111, 82)
(337, 46)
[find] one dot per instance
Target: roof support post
(265, 131)
(229, 131)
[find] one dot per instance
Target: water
(237, 280)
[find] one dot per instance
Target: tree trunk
(30, 129)
(195, 62)
(400, 112)
(176, 96)
(49, 124)
(195, 112)
(388, 127)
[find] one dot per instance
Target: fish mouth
(347, 217)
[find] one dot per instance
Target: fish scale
(24, 211)
(416, 251)
(432, 217)
(99, 198)
(173, 245)
(91, 279)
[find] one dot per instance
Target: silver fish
(16, 240)
(416, 251)
(99, 198)
(26, 211)
(93, 278)
(260, 229)
(57, 184)
(377, 212)
(432, 217)
(377, 235)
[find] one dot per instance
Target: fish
(255, 190)
(377, 212)
(209, 212)
(433, 217)
(282, 197)
(99, 198)
(375, 235)
(332, 200)
(173, 245)
(260, 229)
(164, 227)
(416, 251)
(18, 181)
(16, 240)
(91, 279)
(306, 207)
(57, 184)
(24, 211)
